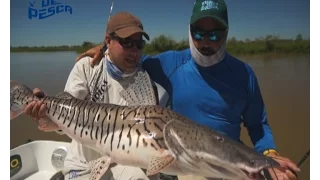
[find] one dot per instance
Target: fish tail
(20, 96)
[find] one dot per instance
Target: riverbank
(259, 46)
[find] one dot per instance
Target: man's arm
(96, 53)
(160, 67)
(255, 117)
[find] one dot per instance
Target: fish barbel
(145, 135)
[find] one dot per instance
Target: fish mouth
(242, 171)
(248, 174)
(253, 174)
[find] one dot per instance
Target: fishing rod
(104, 47)
(303, 159)
(110, 10)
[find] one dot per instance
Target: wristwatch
(270, 151)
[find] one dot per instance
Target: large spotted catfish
(145, 135)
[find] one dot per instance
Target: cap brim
(211, 16)
(128, 31)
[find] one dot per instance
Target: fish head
(256, 164)
(242, 157)
(202, 150)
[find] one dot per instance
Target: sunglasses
(214, 35)
(128, 43)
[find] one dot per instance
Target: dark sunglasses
(214, 35)
(128, 43)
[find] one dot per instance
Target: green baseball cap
(210, 8)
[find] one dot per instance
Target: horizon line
(178, 41)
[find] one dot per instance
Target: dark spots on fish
(97, 130)
(120, 136)
(144, 143)
(152, 145)
(123, 147)
(157, 126)
(89, 127)
(100, 167)
(79, 125)
(128, 152)
(86, 132)
(107, 134)
(27, 102)
(114, 127)
(184, 138)
(138, 132)
(102, 125)
(129, 135)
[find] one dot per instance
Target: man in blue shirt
(211, 87)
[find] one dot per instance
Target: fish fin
(141, 91)
(173, 132)
(19, 97)
(159, 163)
(64, 95)
(99, 167)
(14, 114)
(47, 125)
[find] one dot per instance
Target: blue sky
(247, 19)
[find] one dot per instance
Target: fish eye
(219, 138)
(252, 162)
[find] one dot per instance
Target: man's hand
(96, 53)
(37, 111)
(286, 171)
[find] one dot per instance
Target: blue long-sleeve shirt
(221, 96)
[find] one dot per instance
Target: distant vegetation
(268, 44)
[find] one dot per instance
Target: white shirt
(93, 84)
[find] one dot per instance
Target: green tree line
(267, 44)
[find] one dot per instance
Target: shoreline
(259, 46)
(242, 55)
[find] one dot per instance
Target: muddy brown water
(284, 82)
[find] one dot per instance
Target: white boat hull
(37, 160)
